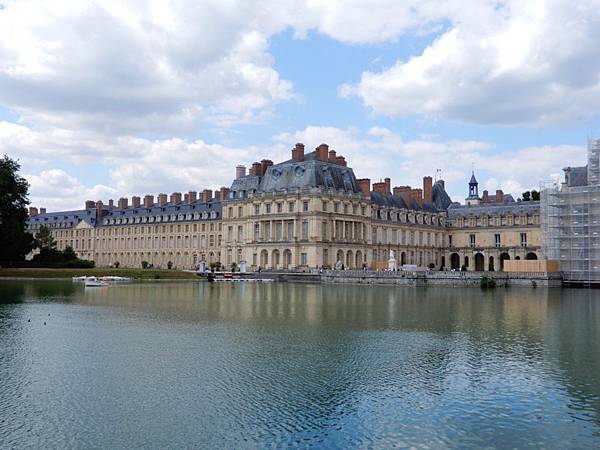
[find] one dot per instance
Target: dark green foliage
(526, 196)
(145, 264)
(15, 241)
(44, 239)
(169, 265)
(487, 283)
(535, 195)
(215, 266)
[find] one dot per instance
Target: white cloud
(511, 62)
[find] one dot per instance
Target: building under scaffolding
(570, 213)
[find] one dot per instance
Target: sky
(111, 99)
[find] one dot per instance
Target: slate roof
(64, 219)
(292, 175)
(491, 209)
(440, 202)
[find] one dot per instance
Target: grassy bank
(141, 274)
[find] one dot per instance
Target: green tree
(526, 196)
(69, 254)
(15, 241)
(535, 196)
(44, 239)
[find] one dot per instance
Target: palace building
(309, 211)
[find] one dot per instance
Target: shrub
(487, 283)
(145, 264)
(116, 264)
(431, 266)
(169, 265)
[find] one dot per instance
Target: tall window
(450, 240)
(279, 207)
(256, 210)
(523, 239)
(305, 206)
(279, 231)
(304, 230)
(324, 231)
(291, 206)
(268, 208)
(290, 230)
(472, 240)
(256, 231)
(497, 240)
(303, 259)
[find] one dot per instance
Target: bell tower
(473, 198)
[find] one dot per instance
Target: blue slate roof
(68, 219)
(517, 208)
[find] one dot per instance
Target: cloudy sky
(106, 99)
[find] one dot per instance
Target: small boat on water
(114, 279)
(79, 279)
(95, 282)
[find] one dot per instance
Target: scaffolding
(570, 213)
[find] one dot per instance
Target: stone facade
(310, 211)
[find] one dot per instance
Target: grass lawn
(141, 274)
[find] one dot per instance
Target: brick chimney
(332, 156)
(175, 198)
(33, 211)
(417, 195)
(99, 206)
(162, 199)
(322, 152)
(404, 193)
(427, 189)
(224, 193)
(206, 195)
(186, 198)
(380, 187)
(365, 185)
(89, 204)
(499, 196)
(298, 152)
(240, 171)
(111, 204)
(485, 198)
(135, 201)
(122, 203)
(148, 200)
(217, 196)
(341, 161)
(256, 169)
(42, 210)
(264, 165)
(193, 195)
(388, 186)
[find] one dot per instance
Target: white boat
(114, 279)
(79, 279)
(94, 282)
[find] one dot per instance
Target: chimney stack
(340, 160)
(162, 199)
(499, 196)
(89, 204)
(135, 201)
(298, 152)
(33, 211)
(365, 185)
(193, 195)
(417, 196)
(224, 193)
(256, 169)
(111, 205)
(148, 201)
(264, 165)
(217, 197)
(322, 152)
(485, 198)
(98, 210)
(42, 210)
(428, 189)
(240, 171)
(404, 193)
(332, 156)
(206, 195)
(122, 203)
(175, 198)
(388, 186)
(380, 187)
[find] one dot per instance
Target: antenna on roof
(438, 175)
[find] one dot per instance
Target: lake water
(198, 365)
